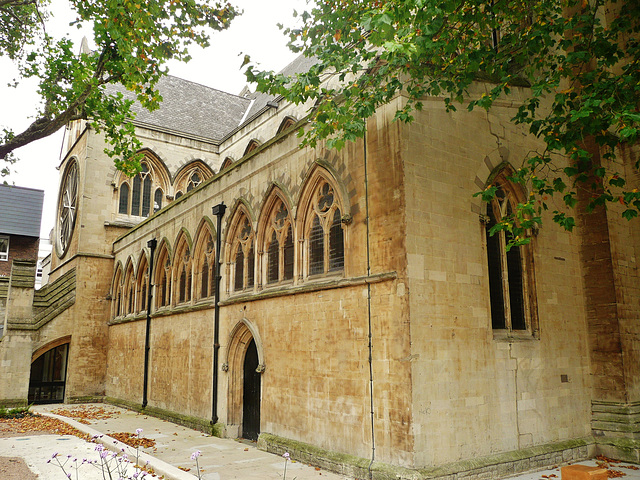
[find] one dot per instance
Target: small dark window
(204, 287)
(336, 243)
(123, 206)
(183, 284)
(316, 247)
(250, 268)
(143, 295)
(288, 255)
(157, 200)
(239, 277)
(135, 197)
(273, 259)
(178, 195)
(494, 259)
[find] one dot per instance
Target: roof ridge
(203, 85)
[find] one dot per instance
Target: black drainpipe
(218, 211)
(147, 338)
(370, 346)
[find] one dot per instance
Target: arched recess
(48, 376)
(251, 146)
(191, 176)
(116, 291)
(226, 164)
(240, 249)
(239, 339)
(142, 282)
(128, 288)
(286, 124)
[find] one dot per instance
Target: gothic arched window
(142, 284)
(323, 231)
(277, 243)
(116, 293)
(191, 176)
(163, 277)
(205, 266)
(182, 272)
(129, 293)
(242, 254)
(142, 194)
(511, 286)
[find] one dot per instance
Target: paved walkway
(221, 459)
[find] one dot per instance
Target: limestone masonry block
(583, 472)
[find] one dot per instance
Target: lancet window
(116, 293)
(129, 293)
(511, 286)
(142, 284)
(191, 177)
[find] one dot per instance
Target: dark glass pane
(273, 259)
(146, 197)
(212, 279)
(316, 247)
(157, 200)
(516, 300)
(250, 268)
(239, 280)
(123, 206)
(288, 255)
(178, 195)
(135, 196)
(164, 292)
(495, 274)
(143, 295)
(183, 285)
(336, 243)
(204, 287)
(60, 363)
(130, 303)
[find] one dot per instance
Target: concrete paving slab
(221, 459)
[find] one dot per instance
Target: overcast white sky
(254, 33)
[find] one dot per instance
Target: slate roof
(191, 108)
(299, 65)
(20, 210)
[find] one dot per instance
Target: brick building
(20, 218)
(365, 322)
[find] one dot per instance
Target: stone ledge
(488, 467)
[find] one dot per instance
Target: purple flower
(55, 454)
(195, 454)
(286, 455)
(138, 431)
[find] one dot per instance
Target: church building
(348, 306)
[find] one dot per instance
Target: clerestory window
(141, 195)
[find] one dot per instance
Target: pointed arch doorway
(245, 364)
(251, 394)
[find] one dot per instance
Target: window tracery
(116, 293)
(324, 232)
(205, 269)
(182, 273)
(190, 177)
(278, 244)
(163, 278)
(142, 194)
(243, 254)
(128, 291)
(511, 286)
(142, 283)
